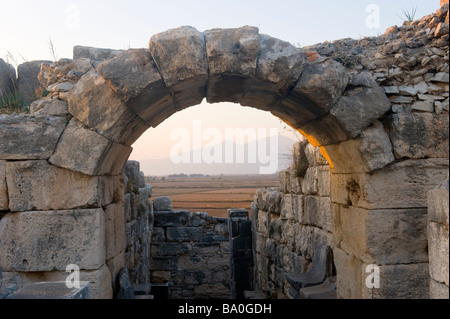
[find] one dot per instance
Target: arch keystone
(232, 57)
(181, 59)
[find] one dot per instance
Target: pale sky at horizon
(26, 27)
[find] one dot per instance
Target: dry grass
(212, 194)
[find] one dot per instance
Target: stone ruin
(374, 190)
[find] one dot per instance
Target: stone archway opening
(377, 205)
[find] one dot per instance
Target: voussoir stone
(136, 79)
(363, 102)
(25, 136)
(371, 151)
(52, 240)
(232, 58)
(83, 150)
(181, 58)
(94, 103)
(319, 87)
(279, 67)
(419, 135)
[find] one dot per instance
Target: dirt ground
(212, 194)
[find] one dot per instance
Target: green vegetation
(13, 102)
(346, 60)
(409, 16)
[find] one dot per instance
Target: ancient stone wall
(377, 108)
(289, 222)
(438, 246)
(190, 253)
(137, 218)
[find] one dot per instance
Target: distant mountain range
(279, 160)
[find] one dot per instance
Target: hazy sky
(26, 26)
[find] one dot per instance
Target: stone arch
(138, 89)
(114, 103)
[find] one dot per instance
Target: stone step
(257, 294)
(326, 290)
(52, 290)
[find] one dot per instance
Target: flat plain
(211, 194)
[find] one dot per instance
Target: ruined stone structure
(377, 108)
(190, 253)
(290, 222)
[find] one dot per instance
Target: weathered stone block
(114, 230)
(94, 103)
(162, 203)
(289, 182)
(136, 79)
(37, 185)
(278, 69)
(171, 249)
(420, 135)
(52, 240)
(438, 290)
(438, 203)
(53, 290)
(438, 252)
(383, 236)
(184, 234)
(83, 150)
(232, 58)
(180, 55)
(164, 263)
(410, 281)
(371, 151)
(307, 238)
(315, 158)
(287, 206)
(94, 54)
(160, 276)
(158, 235)
(170, 218)
(4, 201)
(399, 185)
(29, 136)
(317, 212)
(361, 104)
(322, 131)
(52, 107)
(319, 87)
(317, 181)
(349, 271)
(100, 280)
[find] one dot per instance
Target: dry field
(212, 194)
